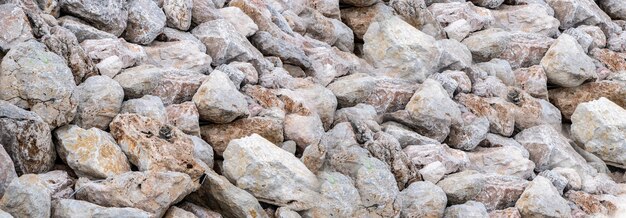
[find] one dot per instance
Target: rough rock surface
(219, 101)
(69, 208)
(542, 199)
(145, 21)
(14, 23)
(27, 196)
(566, 64)
(108, 16)
(99, 101)
(7, 171)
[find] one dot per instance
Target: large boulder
(69, 208)
(572, 13)
(109, 16)
(600, 125)
(340, 197)
(541, 199)
(384, 93)
(27, 139)
(169, 55)
(403, 51)
(27, 196)
(614, 8)
(219, 101)
(39, 80)
(15, 25)
(566, 64)
(99, 101)
(91, 152)
(531, 18)
(220, 135)
(145, 21)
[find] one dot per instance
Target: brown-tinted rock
(500, 192)
(422, 155)
(63, 42)
(219, 135)
(510, 212)
(7, 170)
(588, 203)
(360, 18)
(384, 93)
(15, 25)
(614, 61)
(567, 99)
(184, 117)
(128, 53)
(533, 80)
(499, 112)
(200, 212)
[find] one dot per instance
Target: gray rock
(69, 208)
(405, 136)
(145, 21)
(452, 159)
(178, 13)
(574, 13)
(454, 55)
(433, 172)
(449, 12)
(557, 180)
(463, 186)
(199, 211)
(224, 44)
(202, 151)
(531, 18)
(500, 69)
(329, 8)
(235, 75)
(503, 160)
(468, 209)
(26, 196)
(566, 63)
(22, 130)
(15, 25)
(423, 199)
(39, 81)
(304, 130)
(147, 106)
(203, 11)
(600, 125)
(533, 80)
(289, 53)
(63, 42)
(176, 212)
(242, 22)
(469, 133)
(417, 14)
(151, 191)
(173, 35)
(377, 188)
(500, 192)
(458, 30)
(5, 214)
(109, 16)
(616, 9)
(91, 152)
(184, 117)
(99, 101)
(219, 101)
(59, 183)
(541, 199)
(170, 55)
(339, 194)
(82, 30)
(100, 49)
(7, 170)
(359, 3)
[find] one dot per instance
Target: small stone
(16, 28)
(26, 196)
(219, 101)
(178, 13)
(284, 212)
(422, 199)
(110, 66)
(470, 208)
(510, 212)
(99, 101)
(458, 30)
(219, 135)
(176, 212)
(588, 203)
(203, 11)
(244, 24)
(82, 30)
(169, 55)
(145, 21)
(454, 55)
(498, 111)
(433, 172)
(109, 16)
(69, 208)
(558, 181)
(500, 192)
(566, 63)
(467, 135)
(147, 106)
(541, 199)
(533, 80)
(304, 130)
(463, 186)
(184, 117)
(422, 155)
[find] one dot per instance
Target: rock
(151, 191)
(558, 181)
(319, 100)
(505, 160)
(500, 192)
(385, 94)
(359, 3)
(22, 130)
(510, 212)
(173, 35)
(489, 87)
(417, 14)
(470, 208)
(615, 9)
(288, 52)
(458, 30)
(568, 99)
(63, 42)
(533, 80)
(199, 211)
(100, 49)
(170, 85)
(212, 104)
(422, 155)
(574, 13)
(91, 152)
(151, 145)
(145, 21)
(203, 11)
(82, 30)
(469, 133)
(5, 214)
(15, 25)
(566, 64)
(7, 171)
(488, 3)
(495, 140)
(242, 22)
(99, 101)
(600, 126)
(532, 112)
(109, 16)
(402, 50)
(184, 117)
(220, 135)
(224, 43)
(340, 196)
(59, 183)
(541, 199)
(26, 196)
(283, 212)
(220, 195)
(178, 13)
(422, 199)
(588, 203)
(463, 186)
(148, 106)
(169, 55)
(498, 68)
(272, 174)
(377, 188)
(433, 172)
(69, 208)
(549, 149)
(454, 55)
(405, 136)
(360, 18)
(40, 82)
(499, 112)
(329, 8)
(318, 26)
(202, 151)
(345, 36)
(612, 60)
(453, 81)
(304, 130)
(174, 212)
(477, 17)
(531, 18)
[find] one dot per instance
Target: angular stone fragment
(417, 14)
(470, 208)
(109, 16)
(199, 211)
(16, 28)
(572, 13)
(385, 94)
(532, 112)
(433, 172)
(458, 30)
(500, 192)
(566, 64)
(7, 170)
(405, 136)
(173, 35)
(82, 30)
(68, 208)
(504, 160)
(176, 212)
(360, 18)
(422, 199)
(422, 155)
(151, 191)
(463, 186)
(27, 196)
(289, 53)
(304, 130)
(147, 106)
(224, 44)
(39, 80)
(219, 101)
(63, 42)
(449, 12)
(359, 3)
(531, 18)
(184, 117)
(242, 22)
(100, 49)
(510, 212)
(99, 101)
(467, 135)
(568, 99)
(203, 11)
(541, 199)
(219, 135)
(26, 139)
(145, 21)
(59, 183)
(151, 145)
(171, 55)
(499, 112)
(178, 13)
(533, 80)
(340, 197)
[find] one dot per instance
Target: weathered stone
(422, 199)
(40, 81)
(304, 130)
(417, 14)
(495, 140)
(498, 68)
(242, 22)
(505, 160)
(385, 94)
(4, 214)
(270, 173)
(615, 62)
(403, 51)
(616, 9)
(200, 212)
(151, 191)
(463, 186)
(27, 139)
(178, 13)
(151, 145)
(405, 136)
(90, 152)
(568, 99)
(218, 100)
(340, 197)
(109, 16)
(541, 199)
(532, 112)
(148, 106)
(26, 196)
(377, 188)
(184, 117)
(489, 87)
(59, 183)
(359, 3)
(360, 18)
(16, 28)
(574, 13)
(203, 11)
(175, 212)
(99, 101)
(433, 172)
(531, 18)
(499, 112)
(202, 151)
(588, 203)
(220, 135)
(453, 82)
(422, 155)
(171, 85)
(488, 3)
(557, 180)
(289, 53)
(7, 170)
(470, 208)
(170, 55)
(566, 64)
(478, 17)
(329, 8)
(454, 55)
(317, 99)
(224, 44)
(510, 212)
(63, 42)
(82, 30)
(145, 21)
(469, 133)
(318, 26)
(68, 208)
(329, 63)
(533, 80)
(600, 125)
(100, 49)
(173, 35)
(458, 30)
(500, 192)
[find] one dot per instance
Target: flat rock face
(566, 64)
(99, 101)
(151, 191)
(145, 21)
(109, 16)
(220, 135)
(7, 171)
(505, 160)
(219, 101)
(423, 199)
(90, 152)
(244, 24)
(270, 173)
(40, 81)
(542, 199)
(568, 99)
(128, 53)
(82, 30)
(471, 208)
(178, 13)
(184, 117)
(399, 48)
(147, 106)
(151, 145)
(75, 208)
(385, 94)
(600, 125)
(531, 18)
(224, 43)
(168, 55)
(26, 196)
(27, 139)
(15, 25)
(453, 160)
(339, 196)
